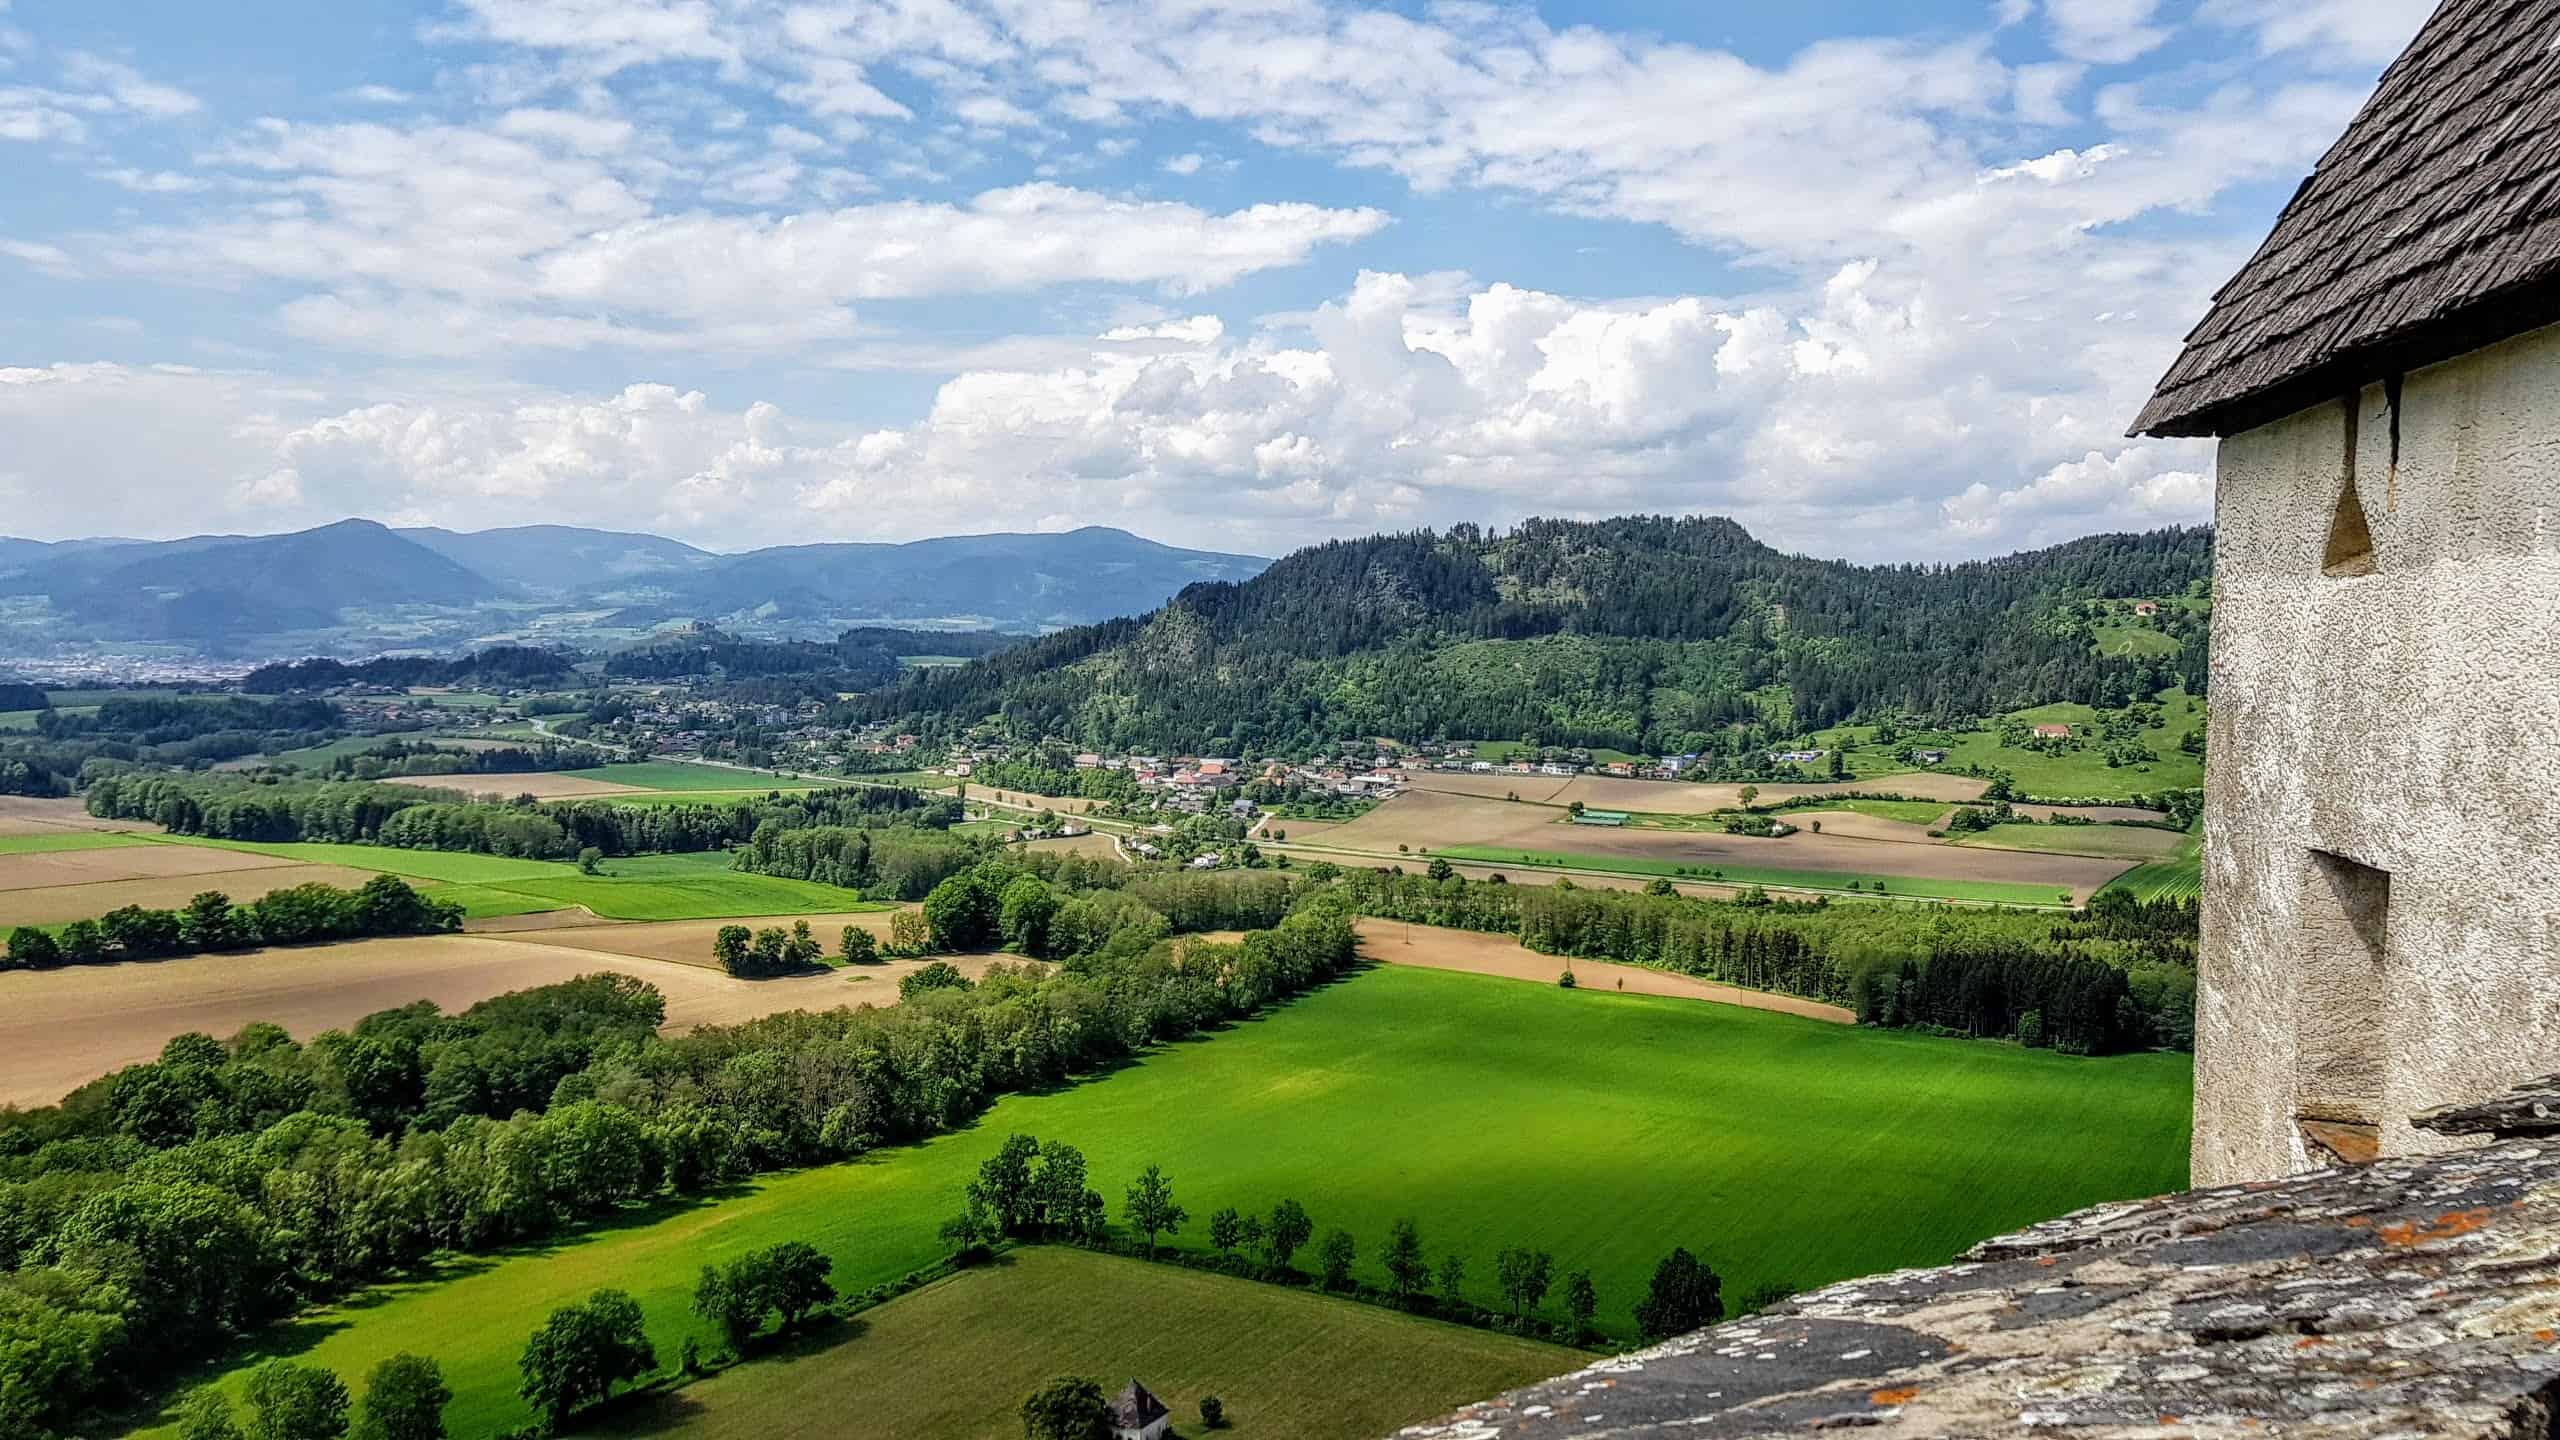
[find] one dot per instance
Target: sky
(1883, 279)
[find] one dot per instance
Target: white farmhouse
(2382, 888)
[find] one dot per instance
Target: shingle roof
(1136, 1408)
(2432, 227)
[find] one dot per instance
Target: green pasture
(18, 719)
(457, 699)
(677, 775)
(67, 840)
(699, 797)
(635, 887)
(1999, 892)
(2104, 842)
(957, 1357)
(2178, 877)
(2081, 774)
(1909, 812)
(1600, 1126)
(1503, 752)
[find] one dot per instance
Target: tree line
(160, 1213)
(1650, 633)
(297, 915)
(411, 817)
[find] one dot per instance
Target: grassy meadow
(2080, 773)
(1600, 1126)
(1916, 887)
(678, 775)
(68, 840)
(2179, 877)
(633, 887)
(957, 1357)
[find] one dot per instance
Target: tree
(1334, 1258)
(1683, 1296)
(1067, 1408)
(1066, 1207)
(1152, 1208)
(960, 913)
(1453, 1280)
(795, 1280)
(1440, 868)
(858, 947)
(1289, 1229)
(909, 934)
(1408, 1273)
(32, 949)
(581, 1352)
(590, 861)
(295, 1402)
(730, 1307)
(1003, 1186)
(729, 947)
(1226, 1230)
(1748, 794)
(940, 975)
(206, 1415)
(1660, 888)
(1024, 913)
(404, 1399)
(1522, 1275)
(1213, 1413)
(1582, 1302)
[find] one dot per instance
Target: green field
(67, 840)
(1909, 812)
(2105, 842)
(711, 797)
(316, 756)
(1601, 1126)
(18, 719)
(677, 775)
(2179, 877)
(2131, 640)
(1997, 892)
(2080, 774)
(957, 1357)
(457, 699)
(634, 887)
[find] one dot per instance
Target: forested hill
(1644, 633)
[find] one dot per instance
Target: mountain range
(1646, 634)
(358, 587)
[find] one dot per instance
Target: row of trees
(301, 914)
(1036, 1190)
(2115, 976)
(162, 1211)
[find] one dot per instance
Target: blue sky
(1882, 280)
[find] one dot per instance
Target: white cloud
(2369, 31)
(50, 259)
(1188, 163)
(2105, 32)
(126, 86)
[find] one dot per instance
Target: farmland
(956, 1358)
(2179, 876)
(62, 1028)
(2136, 842)
(1998, 892)
(1603, 1127)
(1867, 850)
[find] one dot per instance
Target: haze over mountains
(358, 587)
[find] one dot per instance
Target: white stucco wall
(2407, 720)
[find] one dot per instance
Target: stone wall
(2382, 882)
(2411, 1297)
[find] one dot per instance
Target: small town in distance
(1393, 855)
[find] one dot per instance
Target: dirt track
(1434, 948)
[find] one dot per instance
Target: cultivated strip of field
(1854, 825)
(62, 1028)
(1096, 846)
(956, 1358)
(540, 784)
(34, 815)
(93, 864)
(61, 904)
(2177, 877)
(55, 841)
(1531, 789)
(1997, 892)
(1397, 942)
(634, 887)
(2118, 842)
(1493, 1113)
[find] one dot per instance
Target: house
(1928, 757)
(1611, 818)
(1206, 860)
(2146, 607)
(2383, 377)
(1138, 1415)
(2052, 732)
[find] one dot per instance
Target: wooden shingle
(2432, 227)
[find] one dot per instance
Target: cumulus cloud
(1830, 427)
